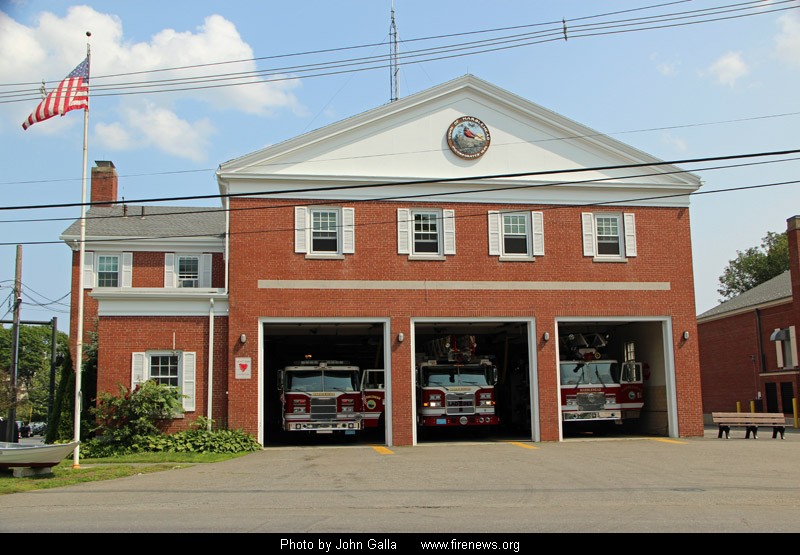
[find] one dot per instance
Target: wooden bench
(750, 421)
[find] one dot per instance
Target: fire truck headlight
(488, 403)
(436, 397)
(299, 410)
(347, 409)
(486, 395)
(572, 401)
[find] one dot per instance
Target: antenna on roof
(394, 70)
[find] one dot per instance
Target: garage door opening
(324, 383)
(472, 380)
(613, 378)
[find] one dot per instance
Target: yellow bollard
(752, 406)
(738, 406)
(794, 411)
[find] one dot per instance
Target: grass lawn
(93, 470)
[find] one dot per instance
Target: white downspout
(210, 360)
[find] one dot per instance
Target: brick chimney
(104, 183)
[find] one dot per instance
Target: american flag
(71, 94)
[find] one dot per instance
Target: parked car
(38, 428)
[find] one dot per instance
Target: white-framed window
(785, 347)
(187, 270)
(426, 232)
(324, 231)
(102, 269)
(516, 234)
(630, 351)
(173, 368)
(609, 235)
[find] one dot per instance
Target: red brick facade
(259, 277)
(738, 359)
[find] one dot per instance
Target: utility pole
(12, 411)
(53, 363)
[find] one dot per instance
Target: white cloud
(787, 42)
(49, 50)
(729, 68)
(667, 69)
(114, 136)
(147, 124)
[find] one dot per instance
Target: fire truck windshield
(321, 380)
(454, 375)
(602, 372)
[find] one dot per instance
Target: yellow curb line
(669, 441)
(524, 445)
(383, 450)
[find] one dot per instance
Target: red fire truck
(373, 389)
(595, 387)
(457, 388)
(321, 396)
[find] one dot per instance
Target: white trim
(629, 225)
(467, 285)
(205, 270)
(138, 371)
(301, 226)
(126, 269)
(189, 380)
(169, 270)
(348, 230)
(159, 302)
(587, 227)
(404, 231)
(88, 270)
(537, 233)
(495, 235)
(448, 232)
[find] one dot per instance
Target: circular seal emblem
(371, 404)
(468, 137)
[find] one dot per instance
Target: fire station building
(462, 210)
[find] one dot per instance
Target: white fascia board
(159, 302)
(206, 243)
(489, 191)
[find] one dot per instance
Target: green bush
(129, 423)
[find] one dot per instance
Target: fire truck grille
(323, 409)
(459, 404)
(591, 401)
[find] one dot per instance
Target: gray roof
(158, 221)
(779, 287)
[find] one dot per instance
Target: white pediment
(406, 141)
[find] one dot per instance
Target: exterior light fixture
(685, 335)
(243, 338)
(401, 337)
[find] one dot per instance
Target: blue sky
(689, 79)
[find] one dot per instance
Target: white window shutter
(587, 220)
(169, 270)
(630, 234)
(300, 229)
(205, 270)
(449, 224)
(127, 269)
(494, 233)
(348, 230)
(537, 229)
(403, 231)
(88, 270)
(188, 381)
(779, 353)
(138, 371)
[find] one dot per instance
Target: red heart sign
(243, 367)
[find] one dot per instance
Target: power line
(320, 69)
(207, 210)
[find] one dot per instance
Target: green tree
(755, 265)
(33, 368)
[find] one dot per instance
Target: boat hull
(14, 455)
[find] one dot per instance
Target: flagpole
(81, 255)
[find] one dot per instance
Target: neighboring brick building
(336, 242)
(748, 344)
